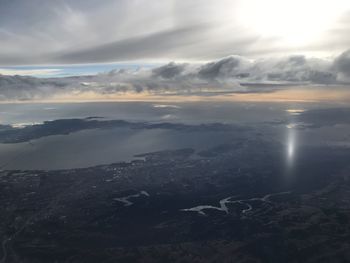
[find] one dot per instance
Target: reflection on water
(291, 144)
(295, 111)
(292, 138)
(293, 126)
(196, 112)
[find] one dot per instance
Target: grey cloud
(321, 77)
(77, 31)
(27, 88)
(228, 75)
(222, 68)
(342, 65)
(297, 60)
(153, 45)
(293, 69)
(169, 71)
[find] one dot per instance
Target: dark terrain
(133, 212)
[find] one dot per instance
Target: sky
(90, 31)
(169, 46)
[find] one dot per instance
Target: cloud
(29, 88)
(342, 65)
(233, 74)
(159, 44)
(86, 31)
(301, 69)
(169, 71)
(295, 69)
(29, 72)
(76, 31)
(224, 68)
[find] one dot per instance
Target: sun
(295, 23)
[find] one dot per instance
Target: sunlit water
(277, 122)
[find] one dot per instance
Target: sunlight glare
(296, 22)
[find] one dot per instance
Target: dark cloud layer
(27, 88)
(342, 65)
(230, 74)
(222, 68)
(169, 71)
